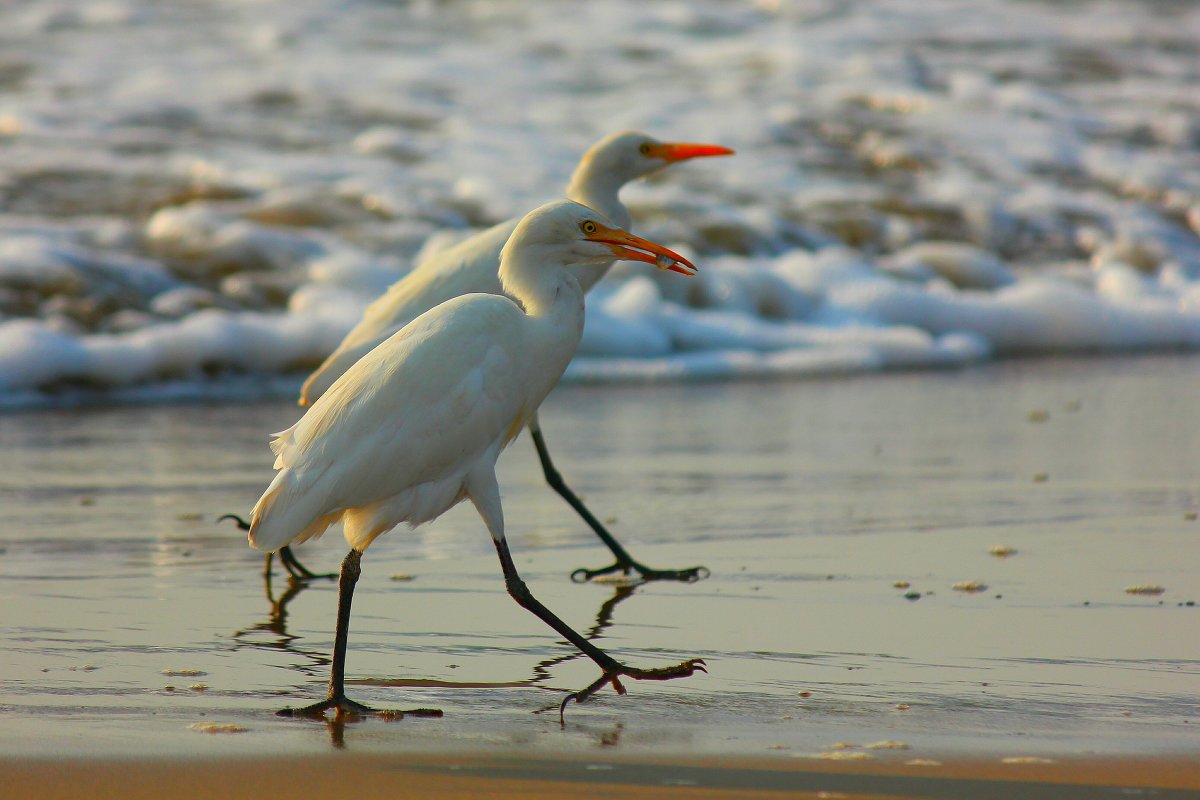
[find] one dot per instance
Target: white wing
(470, 266)
(414, 415)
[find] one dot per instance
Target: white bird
(472, 266)
(417, 424)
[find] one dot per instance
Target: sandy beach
(144, 647)
(469, 777)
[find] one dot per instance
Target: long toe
(301, 574)
(345, 707)
(689, 575)
(613, 676)
(241, 523)
(297, 570)
(341, 705)
(682, 670)
(583, 575)
(640, 573)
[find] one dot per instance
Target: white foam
(964, 265)
(1019, 184)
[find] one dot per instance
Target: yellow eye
(644, 149)
(588, 227)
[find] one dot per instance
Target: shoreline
(501, 776)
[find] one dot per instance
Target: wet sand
(836, 516)
(471, 777)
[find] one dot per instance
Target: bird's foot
(298, 571)
(241, 523)
(295, 569)
(343, 706)
(644, 574)
(613, 675)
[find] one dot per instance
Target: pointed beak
(682, 151)
(628, 247)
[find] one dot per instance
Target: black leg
(286, 557)
(611, 669)
(336, 698)
(624, 563)
(604, 620)
(298, 570)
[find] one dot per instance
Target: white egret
(416, 425)
(472, 266)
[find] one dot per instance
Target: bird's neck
(600, 191)
(553, 305)
(541, 292)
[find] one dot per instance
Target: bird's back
(470, 266)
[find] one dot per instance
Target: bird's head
(630, 155)
(564, 232)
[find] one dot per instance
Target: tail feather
(282, 516)
(415, 505)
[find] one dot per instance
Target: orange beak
(682, 151)
(628, 247)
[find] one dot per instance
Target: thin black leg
(624, 563)
(286, 556)
(336, 698)
(604, 620)
(298, 570)
(611, 669)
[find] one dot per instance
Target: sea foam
(1024, 182)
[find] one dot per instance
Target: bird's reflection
(603, 621)
(280, 639)
(276, 622)
(612, 738)
(336, 725)
(272, 633)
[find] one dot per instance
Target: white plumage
(417, 424)
(472, 267)
(408, 422)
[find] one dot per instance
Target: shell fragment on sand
(216, 727)
(1145, 588)
(845, 755)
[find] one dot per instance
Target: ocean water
(198, 199)
(836, 518)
